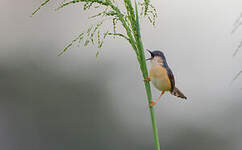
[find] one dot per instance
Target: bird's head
(157, 56)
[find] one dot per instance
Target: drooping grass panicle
(237, 75)
(149, 12)
(110, 10)
(238, 48)
(80, 37)
(237, 24)
(41, 5)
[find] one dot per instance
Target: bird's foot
(152, 103)
(147, 79)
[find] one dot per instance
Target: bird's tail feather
(178, 93)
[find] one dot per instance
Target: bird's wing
(171, 77)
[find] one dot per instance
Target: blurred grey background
(78, 101)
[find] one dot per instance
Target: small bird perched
(161, 76)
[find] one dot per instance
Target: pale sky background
(78, 101)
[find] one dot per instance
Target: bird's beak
(152, 55)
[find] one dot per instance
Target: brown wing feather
(171, 78)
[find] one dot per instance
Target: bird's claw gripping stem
(152, 103)
(147, 79)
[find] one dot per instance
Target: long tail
(178, 93)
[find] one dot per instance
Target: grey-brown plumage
(178, 93)
(161, 75)
(174, 91)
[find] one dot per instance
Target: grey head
(156, 53)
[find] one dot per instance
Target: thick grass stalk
(144, 71)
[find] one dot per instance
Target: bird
(161, 76)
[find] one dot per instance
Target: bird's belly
(160, 79)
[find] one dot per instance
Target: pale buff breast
(159, 78)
